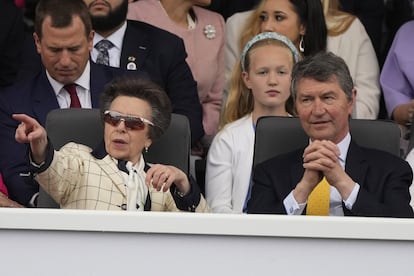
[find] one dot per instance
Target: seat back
(377, 134)
(276, 135)
(85, 126)
(174, 147)
(79, 125)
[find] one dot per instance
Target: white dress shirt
(335, 206)
(82, 89)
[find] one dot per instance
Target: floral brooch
(210, 31)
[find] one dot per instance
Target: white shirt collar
(116, 38)
(83, 80)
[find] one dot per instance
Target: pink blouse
(205, 48)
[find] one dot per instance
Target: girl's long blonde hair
(251, 27)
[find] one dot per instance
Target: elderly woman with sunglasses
(115, 176)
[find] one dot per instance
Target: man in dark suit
(361, 181)
(63, 37)
(140, 46)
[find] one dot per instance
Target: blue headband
(268, 35)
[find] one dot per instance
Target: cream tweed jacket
(78, 180)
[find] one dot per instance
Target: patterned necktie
(318, 200)
(74, 100)
(103, 46)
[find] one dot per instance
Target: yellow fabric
(318, 200)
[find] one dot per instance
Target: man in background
(134, 45)
(64, 38)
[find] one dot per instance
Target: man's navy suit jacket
(384, 181)
(34, 97)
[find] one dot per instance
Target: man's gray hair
(322, 67)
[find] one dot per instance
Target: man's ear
(353, 101)
(37, 42)
(90, 40)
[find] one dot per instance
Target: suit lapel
(135, 49)
(112, 171)
(147, 206)
(356, 166)
(97, 81)
(44, 98)
(296, 169)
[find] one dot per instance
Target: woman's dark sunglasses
(136, 123)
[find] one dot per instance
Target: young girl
(260, 87)
(313, 26)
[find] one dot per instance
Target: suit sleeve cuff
(33, 200)
(190, 201)
(292, 207)
(350, 201)
(39, 168)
